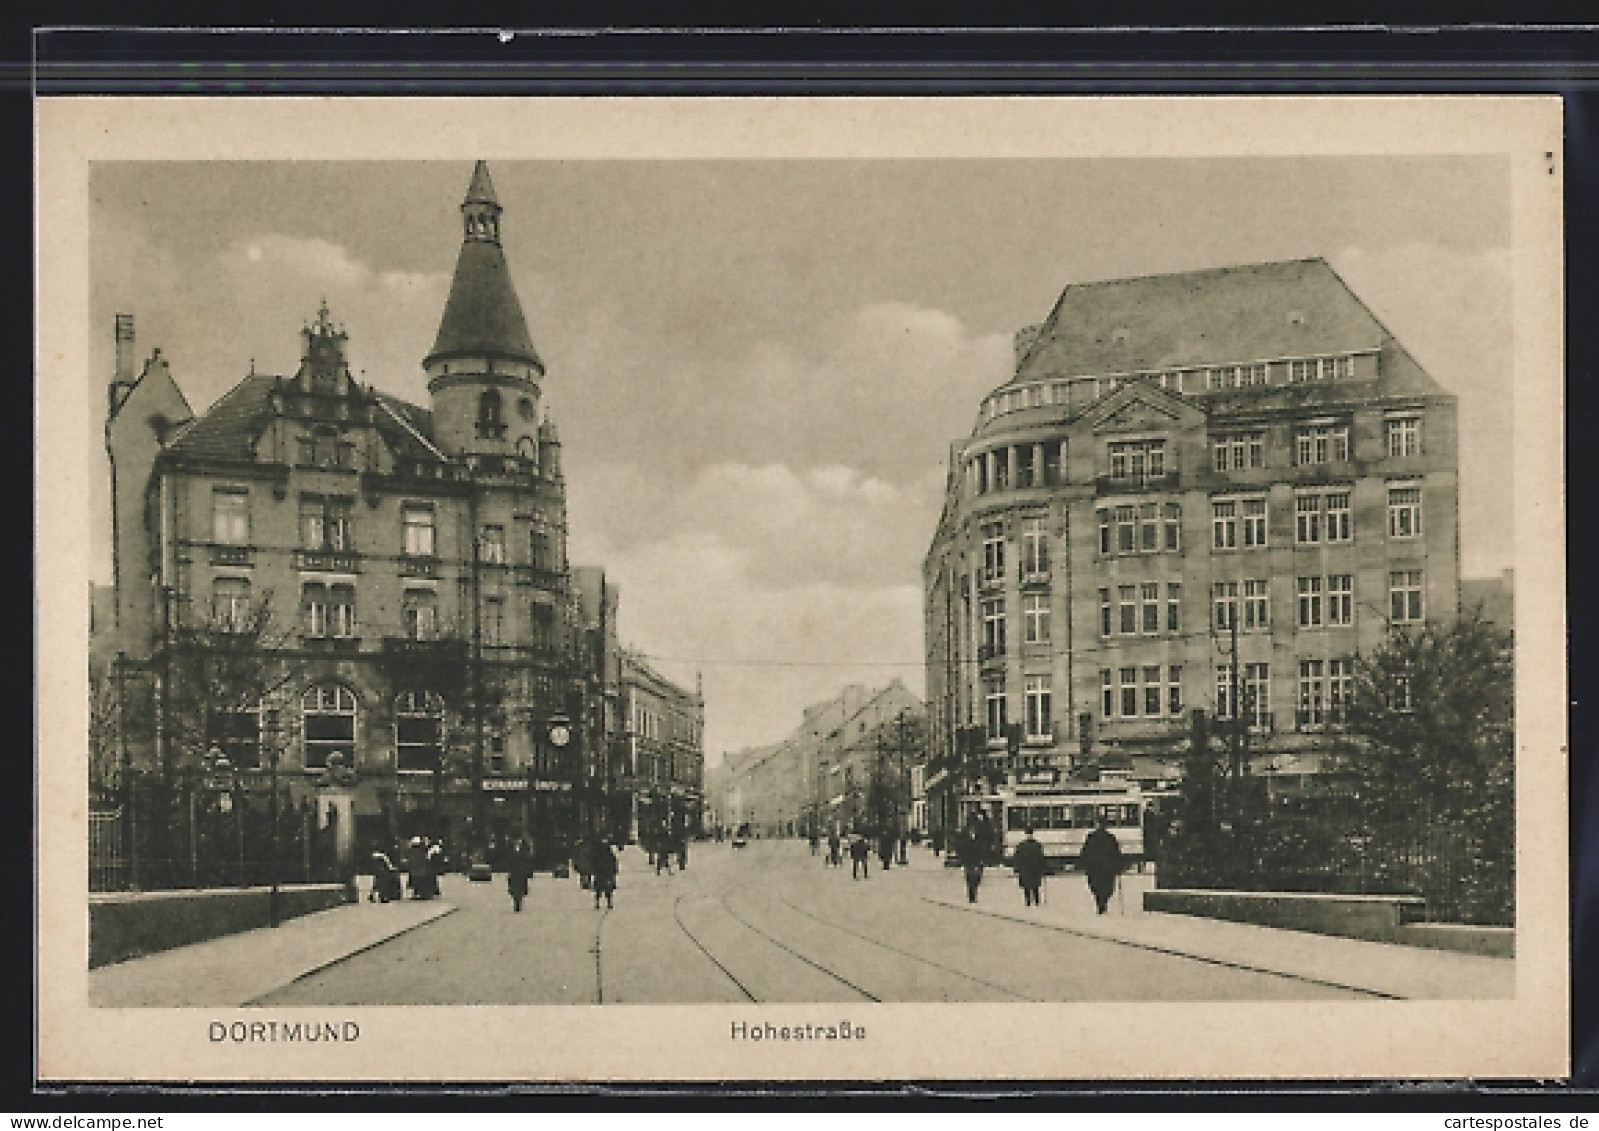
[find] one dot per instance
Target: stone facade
(1186, 473)
(426, 661)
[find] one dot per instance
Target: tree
(1432, 747)
(1433, 718)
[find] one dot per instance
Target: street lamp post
(273, 736)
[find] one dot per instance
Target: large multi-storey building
(371, 596)
(1201, 490)
(662, 741)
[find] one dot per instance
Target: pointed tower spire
(483, 372)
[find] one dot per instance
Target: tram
(1062, 815)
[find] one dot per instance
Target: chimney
(1025, 337)
(124, 347)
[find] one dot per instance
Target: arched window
(418, 731)
(328, 714)
(490, 418)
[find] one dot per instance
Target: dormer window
(490, 416)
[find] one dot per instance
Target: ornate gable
(1139, 415)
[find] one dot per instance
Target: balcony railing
(330, 643)
(539, 576)
(419, 566)
(988, 653)
(231, 555)
(327, 561)
(990, 578)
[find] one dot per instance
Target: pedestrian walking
(816, 842)
(834, 853)
(435, 858)
(885, 848)
(972, 849)
(517, 870)
(1029, 865)
(682, 851)
(1101, 861)
(580, 861)
(603, 861)
(860, 858)
(663, 854)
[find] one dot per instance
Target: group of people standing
(860, 848)
(424, 860)
(594, 859)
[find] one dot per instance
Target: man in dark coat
(885, 848)
(518, 868)
(972, 849)
(1028, 863)
(603, 861)
(860, 858)
(834, 857)
(1101, 862)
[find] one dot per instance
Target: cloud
(693, 603)
(1451, 308)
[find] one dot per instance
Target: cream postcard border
(1524, 1037)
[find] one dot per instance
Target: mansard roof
(1223, 315)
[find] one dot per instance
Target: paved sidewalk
(1391, 970)
(234, 970)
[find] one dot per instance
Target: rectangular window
(341, 618)
(1310, 602)
(1107, 696)
(1035, 548)
(1236, 451)
(1340, 599)
(1152, 690)
(1035, 618)
(1339, 526)
(1224, 524)
(1174, 691)
(1226, 694)
(325, 523)
(994, 700)
(1404, 596)
(1127, 609)
(1322, 443)
(1307, 519)
(1254, 375)
(1104, 531)
(230, 604)
(993, 610)
(1335, 368)
(1137, 461)
(491, 545)
(1225, 603)
(1149, 607)
(416, 540)
(1125, 529)
(1257, 605)
(1302, 370)
(1257, 694)
(1172, 521)
(1174, 606)
(1310, 712)
(1340, 686)
(230, 516)
(1254, 522)
(1404, 512)
(993, 553)
(1148, 528)
(1106, 622)
(1129, 692)
(419, 609)
(1038, 707)
(1404, 436)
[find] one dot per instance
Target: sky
(758, 367)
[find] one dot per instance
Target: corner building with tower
(1201, 490)
(428, 666)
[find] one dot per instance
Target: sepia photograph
(667, 590)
